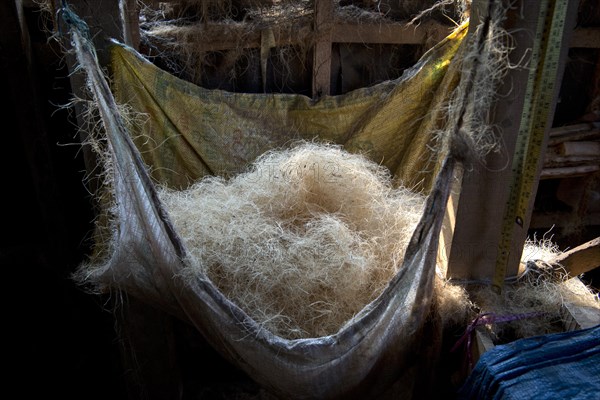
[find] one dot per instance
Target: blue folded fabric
(557, 366)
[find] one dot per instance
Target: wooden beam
(574, 262)
(218, 36)
(568, 172)
(521, 232)
(449, 224)
(485, 186)
(571, 154)
(389, 33)
(482, 344)
(585, 131)
(221, 36)
(130, 15)
(323, 24)
(582, 258)
(485, 189)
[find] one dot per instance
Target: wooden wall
(67, 342)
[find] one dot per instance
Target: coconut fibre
(302, 241)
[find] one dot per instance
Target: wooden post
(105, 19)
(485, 187)
(130, 15)
(322, 51)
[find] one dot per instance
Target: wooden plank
(576, 261)
(582, 148)
(389, 33)
(485, 185)
(130, 15)
(323, 25)
(485, 188)
(568, 172)
(556, 161)
(449, 224)
(582, 258)
(572, 154)
(221, 36)
(547, 88)
(483, 343)
(218, 36)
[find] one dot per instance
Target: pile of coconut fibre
(302, 241)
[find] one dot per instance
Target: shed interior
(70, 343)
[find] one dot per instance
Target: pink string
(484, 319)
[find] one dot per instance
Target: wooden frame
(470, 245)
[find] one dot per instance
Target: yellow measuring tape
(534, 119)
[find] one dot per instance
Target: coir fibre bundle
(303, 240)
(540, 291)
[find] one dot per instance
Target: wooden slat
(572, 154)
(569, 161)
(559, 219)
(574, 262)
(221, 36)
(574, 132)
(389, 33)
(482, 343)
(582, 258)
(582, 148)
(449, 224)
(568, 172)
(322, 49)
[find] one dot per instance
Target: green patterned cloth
(191, 131)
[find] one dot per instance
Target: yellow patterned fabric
(191, 131)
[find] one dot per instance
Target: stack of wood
(572, 161)
(573, 151)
